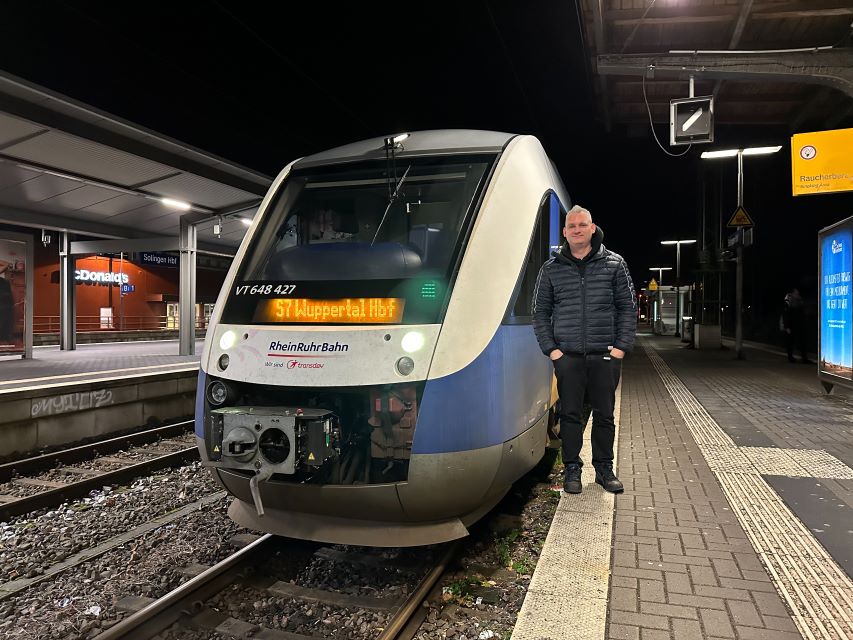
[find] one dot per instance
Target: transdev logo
(308, 347)
(295, 364)
(837, 247)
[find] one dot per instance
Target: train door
(546, 238)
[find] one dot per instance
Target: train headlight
(405, 365)
(227, 340)
(223, 362)
(217, 393)
(413, 341)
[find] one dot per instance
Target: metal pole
(120, 292)
(67, 297)
(739, 267)
(678, 289)
(186, 295)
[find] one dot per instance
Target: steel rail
(85, 452)
(405, 613)
(81, 488)
(164, 612)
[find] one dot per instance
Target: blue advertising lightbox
(836, 303)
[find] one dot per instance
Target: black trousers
(797, 339)
(596, 378)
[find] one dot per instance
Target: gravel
(80, 603)
(65, 473)
(495, 565)
(478, 600)
(29, 545)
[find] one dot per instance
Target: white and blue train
(370, 374)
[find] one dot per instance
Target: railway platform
(736, 518)
(58, 397)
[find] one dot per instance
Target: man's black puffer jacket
(589, 313)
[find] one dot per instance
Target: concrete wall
(33, 419)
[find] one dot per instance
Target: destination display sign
(341, 311)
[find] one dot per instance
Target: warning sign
(740, 218)
(653, 285)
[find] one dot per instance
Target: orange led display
(345, 311)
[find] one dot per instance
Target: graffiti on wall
(68, 402)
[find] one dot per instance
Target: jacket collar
(596, 251)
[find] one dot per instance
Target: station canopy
(786, 63)
(66, 166)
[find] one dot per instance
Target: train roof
(417, 143)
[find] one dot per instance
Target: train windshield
(368, 243)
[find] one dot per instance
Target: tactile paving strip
(567, 597)
(812, 584)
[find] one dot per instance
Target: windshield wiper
(392, 198)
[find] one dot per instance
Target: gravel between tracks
(80, 602)
(480, 599)
(29, 545)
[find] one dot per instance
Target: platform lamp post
(677, 244)
(740, 153)
(660, 271)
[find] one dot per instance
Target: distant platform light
(246, 221)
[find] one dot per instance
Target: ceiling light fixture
(176, 204)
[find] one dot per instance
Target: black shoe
(572, 483)
(607, 479)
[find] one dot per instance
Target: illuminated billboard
(836, 301)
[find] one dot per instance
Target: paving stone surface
(682, 565)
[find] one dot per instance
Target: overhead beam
(740, 23)
(600, 47)
(799, 10)
(737, 32)
(832, 68)
(674, 15)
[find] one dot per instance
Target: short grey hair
(578, 209)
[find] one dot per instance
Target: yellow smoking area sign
(822, 162)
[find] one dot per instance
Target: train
(370, 374)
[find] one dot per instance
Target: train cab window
(545, 238)
(364, 230)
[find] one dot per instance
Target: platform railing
(50, 324)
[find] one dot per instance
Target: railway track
(92, 466)
(185, 607)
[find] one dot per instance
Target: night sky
(262, 84)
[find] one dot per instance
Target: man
(585, 320)
(794, 321)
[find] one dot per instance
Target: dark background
(261, 84)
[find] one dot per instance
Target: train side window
(540, 248)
